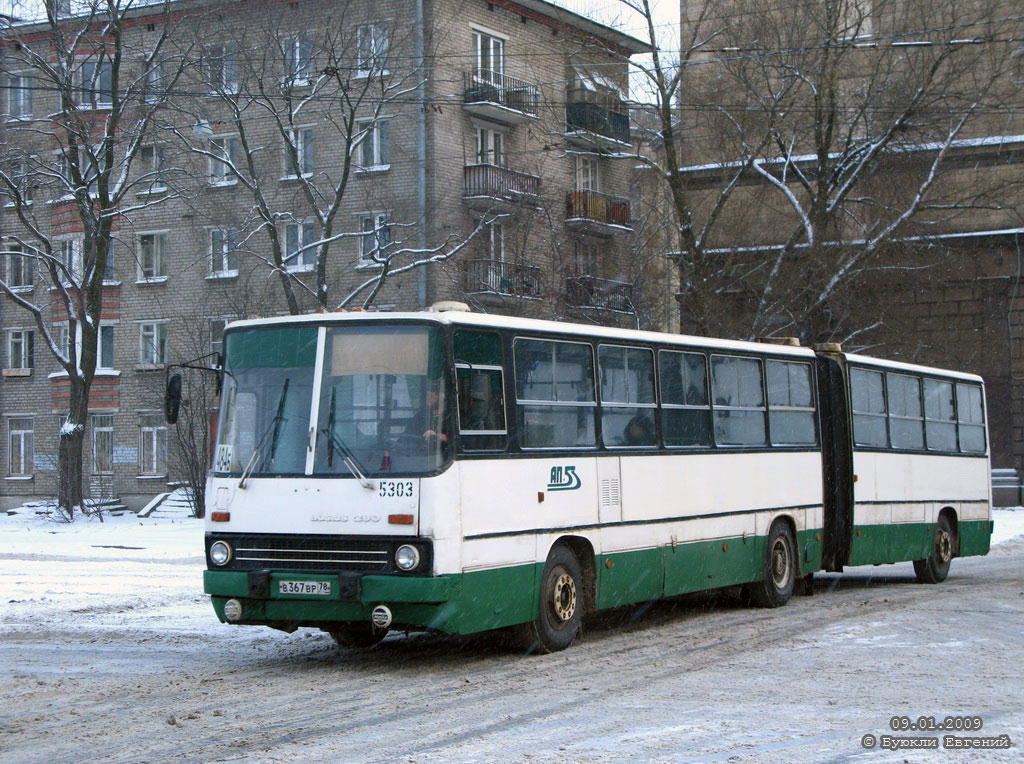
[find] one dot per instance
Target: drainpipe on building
(421, 154)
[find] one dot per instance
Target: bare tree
(88, 89)
(800, 141)
(296, 116)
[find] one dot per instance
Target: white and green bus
(461, 472)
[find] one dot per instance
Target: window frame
(222, 78)
(706, 407)
(307, 261)
(20, 267)
(716, 407)
(789, 408)
(381, 230)
(304, 141)
(605, 405)
(298, 58)
(371, 57)
(592, 405)
(153, 158)
(26, 446)
(223, 165)
(20, 349)
(101, 424)
(158, 252)
(90, 92)
(374, 137)
(230, 238)
(152, 428)
(19, 95)
(159, 344)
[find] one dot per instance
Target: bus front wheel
(775, 589)
(560, 605)
(934, 568)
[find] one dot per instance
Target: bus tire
(934, 568)
(560, 605)
(357, 634)
(776, 587)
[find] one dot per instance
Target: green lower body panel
(880, 544)
(476, 601)
(457, 604)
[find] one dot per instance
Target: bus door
(837, 461)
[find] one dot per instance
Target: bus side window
(685, 410)
(790, 404)
(738, 398)
(481, 391)
(970, 416)
(939, 416)
(554, 394)
(906, 421)
(867, 394)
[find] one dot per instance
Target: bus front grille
(321, 553)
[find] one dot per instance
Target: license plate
(322, 588)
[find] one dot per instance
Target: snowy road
(149, 676)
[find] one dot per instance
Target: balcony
(497, 277)
(596, 126)
(599, 294)
(491, 187)
(497, 96)
(594, 212)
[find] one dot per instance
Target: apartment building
(292, 157)
(882, 209)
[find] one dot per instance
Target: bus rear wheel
(356, 634)
(559, 607)
(775, 589)
(934, 568)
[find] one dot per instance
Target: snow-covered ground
(129, 571)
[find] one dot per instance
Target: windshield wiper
(274, 432)
(334, 441)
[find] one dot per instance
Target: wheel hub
(563, 597)
(944, 546)
(780, 563)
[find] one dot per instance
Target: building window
(152, 445)
(19, 95)
(301, 163)
(20, 267)
(588, 173)
(223, 252)
(374, 145)
(372, 50)
(64, 343)
(152, 256)
(222, 69)
(19, 349)
(488, 56)
(22, 177)
(19, 446)
(217, 335)
(225, 158)
(298, 57)
(95, 88)
(376, 237)
(300, 255)
(69, 254)
(102, 428)
(155, 83)
(152, 343)
(105, 347)
(108, 268)
(488, 146)
(494, 241)
(153, 162)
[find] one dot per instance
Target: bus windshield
(380, 408)
(381, 401)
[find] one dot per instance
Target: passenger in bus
(639, 431)
(480, 412)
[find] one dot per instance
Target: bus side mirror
(172, 398)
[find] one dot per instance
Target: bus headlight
(407, 557)
(220, 553)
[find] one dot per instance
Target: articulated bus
(459, 472)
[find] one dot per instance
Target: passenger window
(481, 391)
(906, 422)
(627, 396)
(685, 411)
(939, 415)
(555, 394)
(970, 415)
(738, 401)
(790, 403)
(868, 398)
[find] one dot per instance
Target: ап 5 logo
(563, 479)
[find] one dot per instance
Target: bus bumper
(415, 601)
